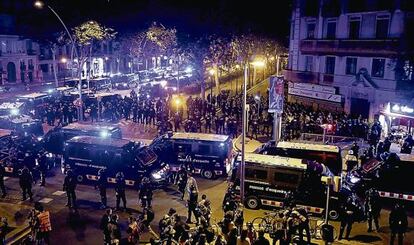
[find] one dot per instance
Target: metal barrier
(330, 139)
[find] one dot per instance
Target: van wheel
(252, 202)
(80, 178)
(208, 174)
(333, 214)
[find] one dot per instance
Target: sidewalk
(17, 219)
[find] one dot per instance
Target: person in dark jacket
(69, 185)
(106, 218)
(192, 203)
(372, 208)
(2, 186)
(101, 185)
(398, 224)
(347, 218)
(26, 181)
(261, 240)
(120, 190)
(145, 193)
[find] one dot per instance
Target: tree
(85, 35)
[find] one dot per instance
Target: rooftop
(89, 127)
(200, 136)
(99, 141)
(274, 160)
(308, 146)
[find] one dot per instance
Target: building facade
(355, 49)
(19, 62)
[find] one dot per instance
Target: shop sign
(313, 87)
(316, 95)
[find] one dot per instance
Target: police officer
(398, 223)
(120, 190)
(42, 168)
(69, 185)
(192, 203)
(26, 181)
(2, 186)
(347, 218)
(182, 180)
(207, 125)
(372, 208)
(145, 193)
(101, 185)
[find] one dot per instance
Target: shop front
(397, 120)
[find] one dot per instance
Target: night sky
(190, 16)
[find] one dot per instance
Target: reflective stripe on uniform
(396, 195)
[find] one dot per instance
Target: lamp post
(64, 60)
(211, 72)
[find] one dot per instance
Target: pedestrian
(69, 185)
(42, 167)
(26, 181)
(398, 223)
(347, 218)
(279, 231)
(192, 203)
(106, 218)
(372, 208)
(4, 230)
(43, 226)
(191, 181)
(133, 231)
(114, 230)
(243, 239)
(145, 193)
(2, 175)
(101, 185)
(251, 232)
(182, 180)
(261, 239)
(120, 190)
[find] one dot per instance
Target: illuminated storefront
(397, 119)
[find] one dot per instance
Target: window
(308, 63)
(331, 30)
(330, 65)
(354, 25)
(288, 178)
(203, 149)
(382, 26)
(378, 67)
(183, 148)
(351, 64)
(256, 174)
(311, 31)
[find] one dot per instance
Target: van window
(182, 148)
(204, 149)
(78, 152)
(286, 177)
(258, 174)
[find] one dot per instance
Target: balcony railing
(387, 47)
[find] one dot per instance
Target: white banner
(313, 87)
(316, 95)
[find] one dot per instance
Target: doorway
(11, 72)
(360, 107)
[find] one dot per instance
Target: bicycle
(265, 223)
(315, 228)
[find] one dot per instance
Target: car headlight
(39, 138)
(354, 179)
(50, 155)
(156, 175)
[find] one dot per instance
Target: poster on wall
(276, 89)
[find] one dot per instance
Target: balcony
(302, 76)
(388, 47)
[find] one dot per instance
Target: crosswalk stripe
(58, 193)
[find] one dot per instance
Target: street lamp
(177, 103)
(64, 60)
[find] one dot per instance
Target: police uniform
(145, 194)
(102, 184)
(25, 181)
(2, 186)
(120, 190)
(69, 185)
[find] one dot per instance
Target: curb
(18, 236)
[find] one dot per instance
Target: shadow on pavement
(366, 238)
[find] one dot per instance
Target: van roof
(4, 132)
(308, 146)
(274, 160)
(32, 96)
(90, 140)
(200, 136)
(90, 127)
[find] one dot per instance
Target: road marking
(45, 200)
(58, 193)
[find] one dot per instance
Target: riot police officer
(145, 193)
(120, 190)
(372, 208)
(102, 184)
(26, 181)
(182, 180)
(398, 223)
(347, 218)
(2, 186)
(192, 203)
(69, 185)
(42, 168)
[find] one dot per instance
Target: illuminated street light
(258, 63)
(237, 66)
(63, 60)
(39, 4)
(212, 71)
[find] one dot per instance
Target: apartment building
(351, 55)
